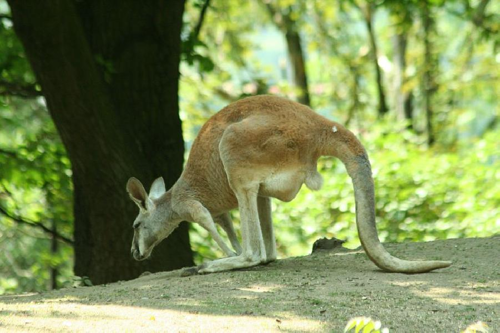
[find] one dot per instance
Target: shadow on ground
(317, 293)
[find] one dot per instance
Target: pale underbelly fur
(285, 184)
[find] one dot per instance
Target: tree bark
(368, 15)
(402, 98)
(109, 73)
(429, 65)
(348, 62)
(296, 55)
(54, 249)
(354, 95)
(295, 52)
(479, 13)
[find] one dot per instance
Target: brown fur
(259, 148)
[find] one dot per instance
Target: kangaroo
(255, 149)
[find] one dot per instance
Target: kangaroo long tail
(343, 144)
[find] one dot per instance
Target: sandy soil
(317, 293)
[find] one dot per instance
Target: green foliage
(82, 281)
(369, 325)
(192, 54)
(14, 69)
(35, 185)
(35, 178)
(35, 175)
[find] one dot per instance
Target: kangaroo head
(156, 219)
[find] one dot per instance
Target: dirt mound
(316, 293)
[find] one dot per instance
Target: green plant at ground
(369, 325)
(476, 327)
(365, 325)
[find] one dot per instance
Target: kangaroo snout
(137, 256)
(134, 251)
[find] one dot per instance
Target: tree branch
(368, 13)
(17, 89)
(5, 17)
(479, 13)
(20, 220)
(8, 153)
(280, 19)
(197, 29)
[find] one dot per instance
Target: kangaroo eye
(137, 225)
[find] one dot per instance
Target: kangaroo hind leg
(253, 251)
(266, 224)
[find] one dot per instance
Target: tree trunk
(354, 93)
(295, 52)
(402, 98)
(479, 13)
(368, 15)
(296, 55)
(54, 249)
(429, 65)
(109, 73)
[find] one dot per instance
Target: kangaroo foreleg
(201, 215)
(226, 223)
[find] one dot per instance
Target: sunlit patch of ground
(460, 296)
(317, 293)
(113, 318)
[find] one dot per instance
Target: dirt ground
(316, 293)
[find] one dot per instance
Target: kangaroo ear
(157, 189)
(137, 192)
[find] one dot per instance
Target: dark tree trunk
(109, 73)
(368, 15)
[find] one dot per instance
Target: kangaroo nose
(137, 255)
